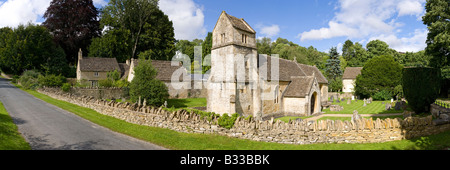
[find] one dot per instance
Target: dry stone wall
(293, 132)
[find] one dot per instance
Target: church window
(244, 38)
(222, 38)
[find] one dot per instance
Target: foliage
(51, 80)
(115, 43)
(336, 84)
(333, 67)
(226, 121)
(106, 83)
(145, 85)
(9, 134)
(66, 87)
(421, 87)
(73, 24)
(379, 73)
(382, 95)
(30, 47)
(150, 30)
(437, 18)
(29, 79)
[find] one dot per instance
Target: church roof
(240, 23)
(299, 86)
(351, 72)
(287, 68)
(314, 71)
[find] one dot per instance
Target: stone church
(245, 82)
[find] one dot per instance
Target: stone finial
(80, 54)
(144, 103)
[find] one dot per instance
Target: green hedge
(421, 87)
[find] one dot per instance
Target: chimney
(80, 54)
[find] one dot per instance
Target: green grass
(185, 141)
(186, 103)
(376, 107)
(10, 138)
(287, 118)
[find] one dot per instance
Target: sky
(322, 24)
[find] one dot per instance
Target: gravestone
(364, 103)
(331, 99)
(349, 101)
(299, 120)
(338, 101)
(356, 116)
(388, 106)
(336, 108)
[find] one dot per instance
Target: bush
(379, 73)
(105, 83)
(51, 80)
(29, 79)
(382, 95)
(66, 87)
(144, 85)
(421, 87)
(226, 121)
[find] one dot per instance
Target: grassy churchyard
(376, 107)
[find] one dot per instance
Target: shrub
(382, 95)
(379, 73)
(105, 83)
(421, 87)
(226, 121)
(51, 80)
(29, 79)
(66, 87)
(144, 85)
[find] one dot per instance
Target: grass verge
(10, 138)
(184, 141)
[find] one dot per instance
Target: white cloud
(270, 31)
(100, 2)
(414, 43)
(187, 18)
(15, 12)
(373, 19)
(410, 7)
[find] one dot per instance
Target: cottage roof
(99, 64)
(164, 68)
(351, 72)
(240, 23)
(299, 86)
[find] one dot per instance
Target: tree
(206, 50)
(333, 65)
(377, 48)
(146, 86)
(264, 46)
(150, 29)
(30, 47)
(420, 87)
(348, 52)
(437, 18)
(114, 44)
(73, 24)
(378, 74)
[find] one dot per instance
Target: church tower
(233, 56)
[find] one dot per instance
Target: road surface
(47, 127)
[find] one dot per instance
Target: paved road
(47, 127)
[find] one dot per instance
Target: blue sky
(319, 23)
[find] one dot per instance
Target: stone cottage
(349, 78)
(165, 72)
(241, 81)
(90, 69)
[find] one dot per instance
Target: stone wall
(294, 132)
(99, 93)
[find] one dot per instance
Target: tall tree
(151, 31)
(333, 65)
(30, 47)
(348, 52)
(377, 48)
(437, 18)
(73, 24)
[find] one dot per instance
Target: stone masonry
(293, 132)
